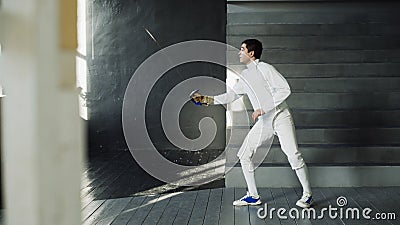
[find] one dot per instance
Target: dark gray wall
(342, 62)
(120, 44)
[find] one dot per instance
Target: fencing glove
(199, 99)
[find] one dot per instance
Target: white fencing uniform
(267, 89)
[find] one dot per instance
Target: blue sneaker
(247, 200)
(305, 201)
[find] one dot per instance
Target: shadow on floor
(116, 175)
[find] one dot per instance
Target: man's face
(244, 54)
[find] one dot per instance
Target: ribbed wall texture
(342, 61)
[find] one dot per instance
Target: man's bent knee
(247, 163)
(296, 162)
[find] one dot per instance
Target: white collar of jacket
(253, 63)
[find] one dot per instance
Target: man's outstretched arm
(200, 99)
(233, 94)
(207, 100)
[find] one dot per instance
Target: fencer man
(267, 90)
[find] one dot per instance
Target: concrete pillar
(42, 131)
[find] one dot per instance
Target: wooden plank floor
(116, 191)
(214, 206)
(116, 174)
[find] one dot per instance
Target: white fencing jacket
(263, 84)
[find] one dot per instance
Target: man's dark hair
(254, 45)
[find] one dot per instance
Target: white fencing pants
(262, 133)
